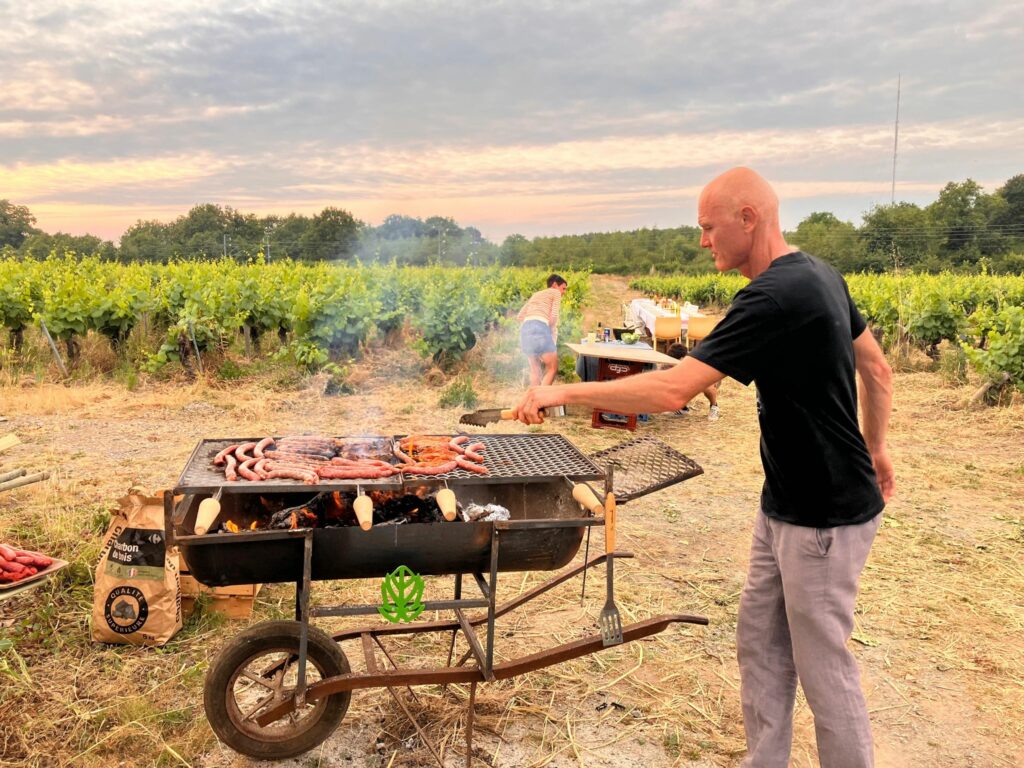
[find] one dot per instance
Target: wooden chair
(668, 330)
(698, 328)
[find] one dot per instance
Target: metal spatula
(610, 621)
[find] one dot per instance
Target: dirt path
(940, 623)
(608, 294)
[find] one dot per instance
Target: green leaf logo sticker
(401, 595)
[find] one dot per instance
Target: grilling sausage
(221, 457)
(480, 469)
(261, 446)
(229, 470)
(281, 454)
(354, 473)
(307, 476)
(472, 454)
(246, 471)
(437, 469)
(341, 462)
(242, 451)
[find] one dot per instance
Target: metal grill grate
(645, 465)
(530, 458)
(201, 476)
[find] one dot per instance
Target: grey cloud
(320, 76)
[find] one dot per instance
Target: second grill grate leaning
(645, 465)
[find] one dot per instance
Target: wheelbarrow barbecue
(281, 687)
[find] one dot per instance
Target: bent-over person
(795, 332)
(538, 334)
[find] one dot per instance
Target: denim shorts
(535, 338)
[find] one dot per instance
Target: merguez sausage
(279, 454)
(245, 469)
(353, 473)
(438, 469)
(229, 470)
(261, 446)
(294, 473)
(320, 453)
(456, 443)
(469, 465)
(242, 451)
(471, 452)
(338, 461)
(222, 456)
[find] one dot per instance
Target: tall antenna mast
(896, 137)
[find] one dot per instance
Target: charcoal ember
(296, 517)
(336, 510)
(272, 503)
(408, 508)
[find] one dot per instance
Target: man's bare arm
(652, 392)
(875, 406)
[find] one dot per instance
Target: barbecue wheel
(257, 670)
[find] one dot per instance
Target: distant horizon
(534, 119)
(923, 199)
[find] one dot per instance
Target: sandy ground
(940, 622)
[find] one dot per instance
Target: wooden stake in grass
(5, 476)
(56, 352)
(10, 484)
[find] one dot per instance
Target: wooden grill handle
(586, 497)
(609, 523)
(445, 499)
(363, 505)
(209, 510)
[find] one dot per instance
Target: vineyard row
(319, 312)
(982, 315)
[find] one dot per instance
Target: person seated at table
(679, 351)
(538, 334)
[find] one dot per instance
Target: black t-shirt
(790, 330)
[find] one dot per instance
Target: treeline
(623, 253)
(214, 231)
(965, 229)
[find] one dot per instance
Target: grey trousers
(795, 618)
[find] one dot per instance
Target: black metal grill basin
(434, 549)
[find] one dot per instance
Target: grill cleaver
(491, 415)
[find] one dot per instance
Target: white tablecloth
(645, 311)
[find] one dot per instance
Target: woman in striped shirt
(538, 334)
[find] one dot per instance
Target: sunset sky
(529, 117)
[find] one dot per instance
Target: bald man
(795, 332)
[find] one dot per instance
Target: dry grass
(940, 625)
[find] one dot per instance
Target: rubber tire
(323, 652)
